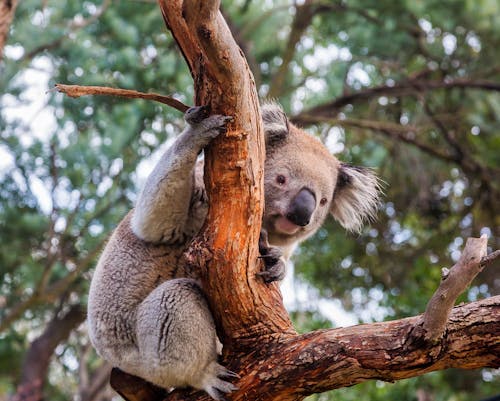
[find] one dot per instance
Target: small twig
(78, 90)
(457, 279)
(488, 259)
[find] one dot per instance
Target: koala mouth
(285, 226)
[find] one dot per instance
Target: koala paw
(203, 123)
(195, 115)
(275, 266)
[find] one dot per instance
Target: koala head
(304, 183)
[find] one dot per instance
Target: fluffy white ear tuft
(356, 198)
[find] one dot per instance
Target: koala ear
(276, 125)
(356, 197)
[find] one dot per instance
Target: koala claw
(216, 124)
(200, 115)
(275, 266)
(275, 272)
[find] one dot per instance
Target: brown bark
(7, 10)
(259, 341)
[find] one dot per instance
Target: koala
(303, 184)
(147, 313)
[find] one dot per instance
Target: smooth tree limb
(79, 90)
(260, 344)
(454, 282)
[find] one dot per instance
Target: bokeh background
(410, 87)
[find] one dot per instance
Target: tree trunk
(7, 10)
(259, 341)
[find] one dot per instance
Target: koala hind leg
(177, 340)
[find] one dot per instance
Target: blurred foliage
(70, 168)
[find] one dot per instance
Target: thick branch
(329, 359)
(78, 90)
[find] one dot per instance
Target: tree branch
(454, 282)
(403, 133)
(304, 15)
(78, 90)
(404, 88)
(329, 359)
(226, 250)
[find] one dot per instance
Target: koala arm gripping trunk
(162, 213)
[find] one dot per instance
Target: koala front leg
(162, 210)
(274, 261)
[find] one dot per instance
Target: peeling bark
(227, 248)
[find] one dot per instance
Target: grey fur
(147, 313)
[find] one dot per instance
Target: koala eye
(281, 179)
(323, 201)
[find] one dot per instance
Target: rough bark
(7, 10)
(453, 283)
(259, 341)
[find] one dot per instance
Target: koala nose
(302, 208)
